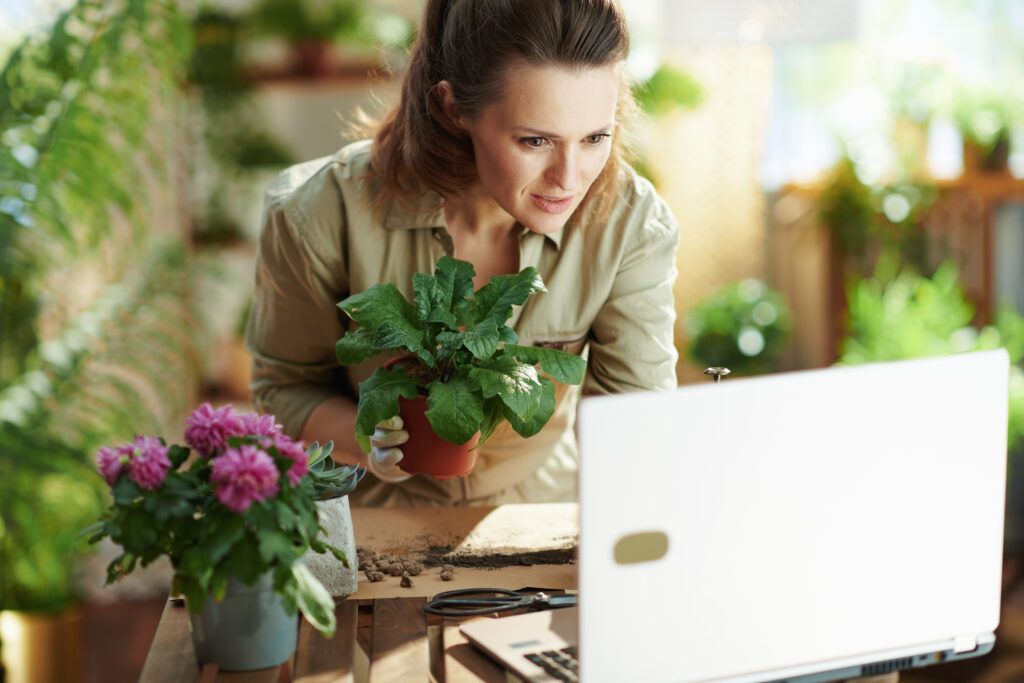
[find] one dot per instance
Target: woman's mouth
(552, 204)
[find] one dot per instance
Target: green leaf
(125, 490)
(137, 530)
(94, 531)
(567, 368)
(432, 305)
(355, 347)
(314, 601)
(482, 339)
(243, 562)
(380, 304)
(276, 546)
(495, 299)
(196, 566)
(195, 594)
(339, 554)
(218, 544)
(507, 335)
(454, 280)
(540, 417)
(399, 333)
(378, 398)
(287, 519)
(454, 410)
(493, 414)
(515, 382)
(177, 455)
(448, 343)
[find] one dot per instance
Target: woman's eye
(535, 143)
(597, 138)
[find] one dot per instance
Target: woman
(505, 150)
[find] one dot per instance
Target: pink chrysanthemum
(243, 476)
(294, 451)
(149, 462)
(262, 425)
(109, 462)
(207, 429)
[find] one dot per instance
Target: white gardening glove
(384, 457)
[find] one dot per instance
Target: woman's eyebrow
(545, 134)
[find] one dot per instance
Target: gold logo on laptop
(646, 546)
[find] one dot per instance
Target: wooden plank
(399, 649)
(319, 659)
(274, 674)
(171, 656)
(463, 662)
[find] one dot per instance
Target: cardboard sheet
(535, 542)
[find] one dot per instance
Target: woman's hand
(383, 459)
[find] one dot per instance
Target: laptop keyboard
(561, 664)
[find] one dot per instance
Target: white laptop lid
(811, 517)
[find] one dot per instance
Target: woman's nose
(564, 171)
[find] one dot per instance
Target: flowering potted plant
(460, 371)
(235, 520)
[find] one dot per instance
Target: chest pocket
(574, 346)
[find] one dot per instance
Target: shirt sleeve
(294, 322)
(632, 344)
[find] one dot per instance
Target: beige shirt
(609, 297)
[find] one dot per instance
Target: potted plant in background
(235, 520)
(743, 327)
(460, 371)
(986, 116)
(309, 26)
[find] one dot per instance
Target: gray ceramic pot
(249, 629)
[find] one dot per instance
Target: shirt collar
(425, 211)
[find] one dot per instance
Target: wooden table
(383, 634)
(381, 640)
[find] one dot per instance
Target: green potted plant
(309, 27)
(986, 115)
(743, 327)
(235, 521)
(460, 370)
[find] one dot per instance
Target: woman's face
(540, 147)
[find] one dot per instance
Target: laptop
(808, 526)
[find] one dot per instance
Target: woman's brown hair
(471, 44)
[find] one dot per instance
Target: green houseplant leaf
(378, 397)
(545, 409)
(567, 368)
(454, 409)
(516, 383)
(495, 300)
(460, 354)
(356, 347)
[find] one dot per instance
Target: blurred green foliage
(868, 221)
(87, 141)
(309, 20)
(899, 314)
(668, 89)
(742, 326)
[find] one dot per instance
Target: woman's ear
(448, 104)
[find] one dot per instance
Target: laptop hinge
(962, 644)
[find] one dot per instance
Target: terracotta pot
(427, 453)
(996, 160)
(312, 58)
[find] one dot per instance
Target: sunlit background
(848, 176)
